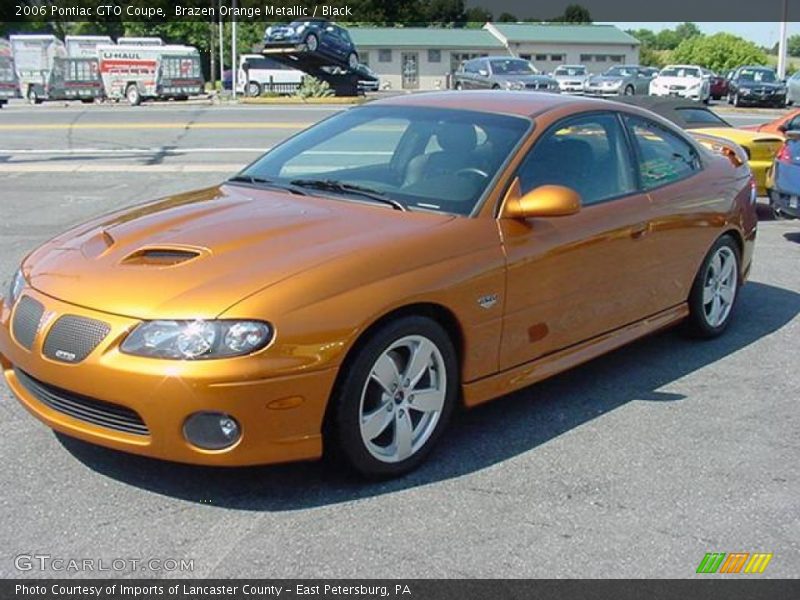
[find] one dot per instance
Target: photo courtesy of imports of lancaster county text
(409, 299)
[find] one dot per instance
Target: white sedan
(683, 81)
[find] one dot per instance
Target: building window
(600, 58)
(528, 57)
(618, 58)
(384, 55)
(456, 58)
(541, 57)
(586, 58)
(434, 56)
(557, 57)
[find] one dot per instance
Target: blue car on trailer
(318, 37)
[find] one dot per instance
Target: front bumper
(280, 417)
(762, 100)
(693, 94)
(602, 92)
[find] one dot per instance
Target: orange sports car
(787, 122)
(351, 287)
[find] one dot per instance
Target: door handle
(640, 230)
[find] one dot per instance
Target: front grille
(97, 412)
(27, 317)
(72, 338)
(677, 87)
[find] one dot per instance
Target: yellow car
(760, 148)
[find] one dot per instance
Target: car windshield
(420, 158)
(621, 72)
(757, 75)
(511, 66)
(680, 72)
(570, 71)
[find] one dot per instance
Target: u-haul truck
(8, 76)
(145, 72)
(85, 46)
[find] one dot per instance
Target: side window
(793, 124)
(588, 154)
(663, 156)
(471, 66)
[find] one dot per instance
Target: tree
(477, 15)
(575, 13)
(507, 18)
(793, 45)
(718, 52)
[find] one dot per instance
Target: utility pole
(234, 66)
(221, 28)
(212, 54)
(782, 41)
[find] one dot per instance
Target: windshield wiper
(331, 185)
(252, 179)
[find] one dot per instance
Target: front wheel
(312, 42)
(459, 86)
(629, 91)
(253, 89)
(33, 97)
(133, 95)
(715, 290)
(352, 61)
(736, 100)
(395, 398)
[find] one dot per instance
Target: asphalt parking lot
(634, 465)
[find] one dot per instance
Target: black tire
(343, 439)
(736, 100)
(729, 98)
(495, 87)
(312, 42)
(777, 214)
(629, 91)
(33, 97)
(352, 61)
(253, 89)
(133, 95)
(87, 100)
(459, 86)
(698, 324)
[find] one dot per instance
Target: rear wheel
(352, 61)
(459, 86)
(715, 290)
(133, 95)
(395, 398)
(253, 89)
(312, 42)
(629, 91)
(736, 100)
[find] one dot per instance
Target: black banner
(397, 12)
(738, 588)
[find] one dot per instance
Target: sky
(763, 34)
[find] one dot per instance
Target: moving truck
(8, 77)
(140, 41)
(147, 72)
(85, 46)
(45, 72)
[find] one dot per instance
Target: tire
(352, 61)
(312, 42)
(373, 383)
(715, 290)
(777, 214)
(729, 98)
(87, 100)
(133, 95)
(736, 100)
(33, 97)
(629, 91)
(459, 86)
(495, 87)
(253, 89)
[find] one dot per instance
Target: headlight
(744, 91)
(15, 289)
(300, 29)
(515, 85)
(694, 86)
(268, 32)
(190, 340)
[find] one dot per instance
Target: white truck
(150, 72)
(85, 46)
(258, 74)
(140, 41)
(8, 77)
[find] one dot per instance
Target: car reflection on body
(622, 80)
(348, 289)
(502, 73)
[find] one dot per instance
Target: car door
(681, 224)
(483, 78)
(573, 278)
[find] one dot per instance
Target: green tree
(793, 45)
(719, 52)
(575, 13)
(507, 18)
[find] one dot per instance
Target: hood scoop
(162, 256)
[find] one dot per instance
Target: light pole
(782, 41)
(234, 66)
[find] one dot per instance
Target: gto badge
(66, 356)
(487, 301)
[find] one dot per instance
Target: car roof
(670, 109)
(523, 104)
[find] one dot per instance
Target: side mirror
(543, 201)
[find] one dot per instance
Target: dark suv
(756, 86)
(319, 36)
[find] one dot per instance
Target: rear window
(701, 116)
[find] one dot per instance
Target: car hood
(227, 243)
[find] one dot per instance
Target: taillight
(784, 155)
(753, 190)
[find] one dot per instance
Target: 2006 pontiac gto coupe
(348, 289)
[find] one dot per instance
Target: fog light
(211, 431)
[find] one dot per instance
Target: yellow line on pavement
(155, 125)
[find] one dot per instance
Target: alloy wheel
(719, 286)
(402, 399)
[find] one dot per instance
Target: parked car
(571, 78)
(502, 73)
(793, 89)
(779, 126)
(258, 74)
(350, 305)
(317, 36)
(621, 80)
(681, 81)
(718, 85)
(783, 179)
(368, 79)
(699, 120)
(756, 86)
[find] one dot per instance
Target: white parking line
(117, 168)
(68, 151)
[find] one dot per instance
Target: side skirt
(489, 388)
